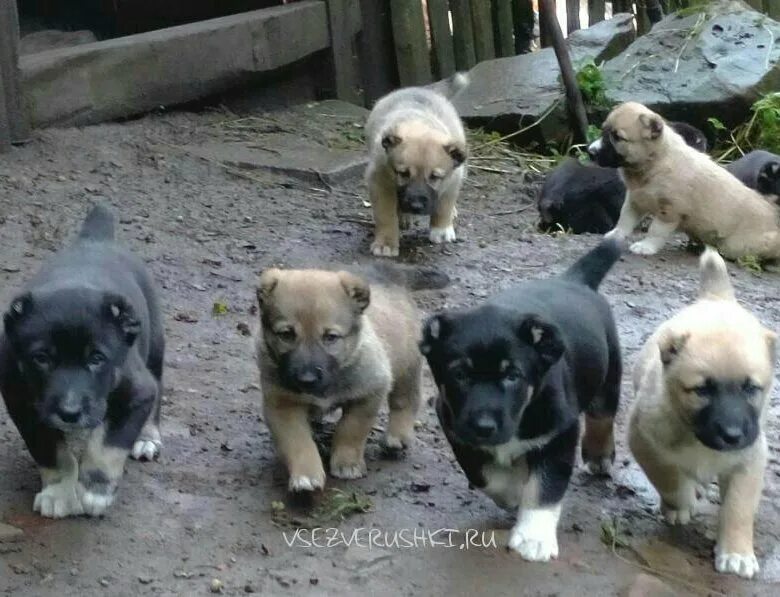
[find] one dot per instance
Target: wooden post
(523, 17)
(596, 11)
(655, 11)
(377, 50)
(13, 126)
(411, 44)
(463, 34)
(482, 21)
(345, 66)
(756, 4)
(579, 117)
(773, 9)
(642, 22)
(503, 26)
(443, 50)
(572, 15)
(544, 33)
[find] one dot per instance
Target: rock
(507, 93)
(216, 586)
(52, 39)
(697, 65)
(645, 585)
(9, 534)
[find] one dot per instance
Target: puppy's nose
(484, 425)
(730, 434)
(309, 378)
(418, 203)
(69, 412)
(594, 148)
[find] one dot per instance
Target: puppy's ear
(653, 125)
(456, 152)
(771, 342)
(543, 337)
(19, 309)
(390, 140)
(357, 289)
(434, 330)
(769, 172)
(118, 311)
(266, 285)
(671, 344)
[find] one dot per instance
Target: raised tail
(591, 268)
(98, 225)
(714, 276)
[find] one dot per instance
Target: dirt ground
(209, 508)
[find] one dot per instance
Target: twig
(489, 169)
(510, 212)
(771, 46)
(521, 131)
(688, 38)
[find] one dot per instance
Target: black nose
(69, 413)
(730, 434)
(592, 153)
(309, 378)
(484, 425)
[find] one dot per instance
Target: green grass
(591, 82)
(761, 131)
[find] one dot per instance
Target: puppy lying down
(759, 170)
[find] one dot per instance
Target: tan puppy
(417, 154)
(702, 386)
(683, 189)
(329, 340)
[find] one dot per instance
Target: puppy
(514, 375)
(702, 386)
(587, 198)
(81, 363)
(682, 189)
(417, 154)
(328, 340)
(759, 170)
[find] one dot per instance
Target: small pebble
(217, 586)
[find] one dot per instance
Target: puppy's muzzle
(417, 198)
(482, 427)
(69, 411)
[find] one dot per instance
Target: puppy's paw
(615, 233)
(299, 483)
(96, 503)
(644, 247)
(601, 467)
(744, 565)
(381, 249)
(146, 449)
(678, 516)
(347, 467)
(534, 536)
(442, 235)
(397, 443)
(59, 500)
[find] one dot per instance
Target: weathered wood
(596, 11)
(756, 4)
(463, 34)
(642, 20)
(131, 75)
(13, 126)
(377, 50)
(341, 15)
(441, 37)
(411, 45)
(544, 34)
(482, 21)
(773, 9)
(576, 106)
(503, 27)
(523, 18)
(655, 11)
(572, 15)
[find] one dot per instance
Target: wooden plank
(773, 9)
(596, 11)
(482, 21)
(377, 50)
(523, 18)
(13, 125)
(572, 15)
(544, 34)
(756, 4)
(441, 37)
(463, 34)
(642, 21)
(411, 45)
(341, 14)
(503, 27)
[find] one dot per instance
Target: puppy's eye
(41, 359)
(435, 177)
(285, 334)
(705, 390)
(402, 172)
(512, 375)
(617, 136)
(96, 359)
(750, 388)
(330, 337)
(460, 375)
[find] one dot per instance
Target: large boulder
(509, 93)
(715, 60)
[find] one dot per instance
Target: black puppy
(514, 376)
(587, 198)
(759, 170)
(81, 365)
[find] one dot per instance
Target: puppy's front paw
(96, 504)
(300, 483)
(615, 233)
(59, 500)
(534, 536)
(678, 516)
(396, 443)
(380, 248)
(744, 565)
(347, 463)
(644, 247)
(442, 235)
(601, 467)
(146, 449)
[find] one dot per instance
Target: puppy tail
(99, 224)
(715, 282)
(408, 276)
(591, 268)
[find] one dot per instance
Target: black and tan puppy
(328, 340)
(81, 365)
(759, 170)
(514, 376)
(702, 384)
(584, 198)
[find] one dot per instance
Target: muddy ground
(206, 509)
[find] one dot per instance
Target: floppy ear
(390, 140)
(357, 289)
(653, 124)
(671, 344)
(543, 337)
(770, 172)
(265, 286)
(19, 309)
(434, 330)
(117, 310)
(456, 152)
